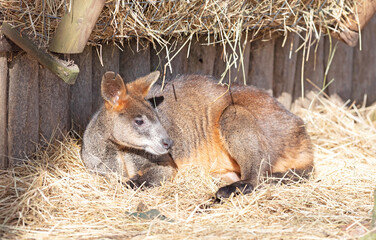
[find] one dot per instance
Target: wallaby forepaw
(236, 188)
(132, 184)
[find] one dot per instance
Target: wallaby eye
(139, 121)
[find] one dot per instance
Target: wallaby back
(241, 132)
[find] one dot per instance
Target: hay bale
(53, 196)
(158, 20)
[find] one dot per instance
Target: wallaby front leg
(152, 176)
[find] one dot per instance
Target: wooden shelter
(37, 106)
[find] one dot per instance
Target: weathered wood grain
(284, 68)
(68, 73)
(314, 69)
(261, 65)
(238, 72)
(76, 26)
(134, 61)
(340, 68)
(53, 106)
(364, 66)
(201, 57)
(81, 93)
(110, 59)
(4, 44)
(3, 110)
(179, 64)
(23, 108)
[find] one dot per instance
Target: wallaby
(239, 132)
(125, 134)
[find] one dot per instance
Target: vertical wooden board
(284, 68)
(23, 108)
(238, 72)
(340, 68)
(81, 93)
(201, 57)
(261, 65)
(53, 106)
(179, 63)
(134, 62)
(364, 66)
(110, 59)
(314, 69)
(3, 110)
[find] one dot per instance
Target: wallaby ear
(113, 90)
(143, 85)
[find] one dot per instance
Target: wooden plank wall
(36, 106)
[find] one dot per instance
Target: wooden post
(313, 69)
(340, 68)
(66, 72)
(110, 59)
(261, 65)
(23, 111)
(53, 106)
(201, 57)
(3, 110)
(179, 64)
(240, 72)
(364, 69)
(363, 12)
(76, 26)
(284, 69)
(134, 62)
(81, 98)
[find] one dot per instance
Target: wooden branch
(67, 72)
(364, 11)
(76, 26)
(4, 44)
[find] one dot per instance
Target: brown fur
(239, 133)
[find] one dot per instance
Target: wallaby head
(131, 118)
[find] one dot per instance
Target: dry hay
(157, 20)
(54, 197)
(171, 23)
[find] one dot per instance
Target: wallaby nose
(167, 143)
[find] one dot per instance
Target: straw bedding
(158, 20)
(52, 195)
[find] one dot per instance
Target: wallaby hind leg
(247, 146)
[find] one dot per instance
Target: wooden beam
(53, 106)
(314, 69)
(239, 73)
(179, 64)
(3, 110)
(261, 65)
(134, 62)
(67, 72)
(364, 66)
(76, 26)
(110, 60)
(23, 111)
(4, 44)
(201, 57)
(81, 97)
(340, 68)
(284, 68)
